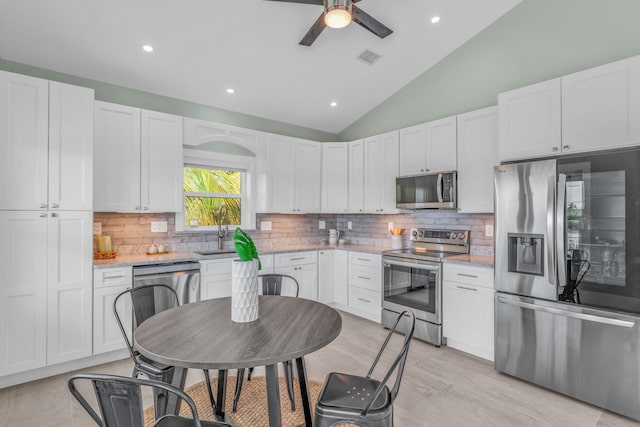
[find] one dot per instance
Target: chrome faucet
(222, 233)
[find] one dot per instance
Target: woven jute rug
(252, 407)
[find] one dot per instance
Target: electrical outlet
(349, 225)
(488, 230)
(265, 225)
(158, 226)
(322, 225)
(97, 228)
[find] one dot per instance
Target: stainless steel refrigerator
(567, 276)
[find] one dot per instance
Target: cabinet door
(23, 303)
(308, 180)
(106, 333)
(280, 173)
(340, 280)
(70, 147)
(467, 318)
(69, 293)
(215, 278)
(116, 154)
(530, 124)
(23, 142)
(389, 171)
(413, 150)
(325, 276)
(373, 174)
(477, 155)
(441, 145)
(161, 167)
(335, 176)
(601, 107)
(307, 277)
(356, 176)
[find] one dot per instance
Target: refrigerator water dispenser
(526, 253)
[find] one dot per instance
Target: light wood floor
(440, 387)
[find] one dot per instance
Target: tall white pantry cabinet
(46, 168)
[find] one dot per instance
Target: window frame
(212, 160)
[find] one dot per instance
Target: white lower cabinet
(215, 278)
(340, 277)
(365, 284)
(107, 284)
(325, 276)
(467, 309)
(304, 267)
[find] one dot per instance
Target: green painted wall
(535, 41)
(135, 98)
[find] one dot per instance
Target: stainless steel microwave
(429, 191)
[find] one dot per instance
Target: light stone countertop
(144, 259)
(477, 260)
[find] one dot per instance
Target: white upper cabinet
(356, 176)
(138, 160)
(380, 172)
(46, 142)
(428, 147)
(335, 177)
(294, 175)
(477, 155)
(530, 124)
(601, 107)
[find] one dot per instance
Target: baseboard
(471, 349)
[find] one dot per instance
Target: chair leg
(250, 373)
(239, 380)
(207, 380)
(288, 377)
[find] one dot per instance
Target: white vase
(396, 242)
(244, 290)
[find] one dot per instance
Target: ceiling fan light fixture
(337, 15)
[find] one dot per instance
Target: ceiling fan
(338, 14)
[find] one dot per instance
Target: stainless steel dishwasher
(182, 277)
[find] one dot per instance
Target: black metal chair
(119, 400)
(145, 302)
(364, 401)
(272, 285)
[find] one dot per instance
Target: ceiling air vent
(368, 57)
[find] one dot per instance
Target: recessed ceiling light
(231, 90)
(147, 48)
(435, 19)
(334, 104)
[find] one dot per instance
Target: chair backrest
(399, 362)
(145, 302)
(272, 284)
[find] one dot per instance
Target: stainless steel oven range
(413, 279)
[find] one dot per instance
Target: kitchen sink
(217, 252)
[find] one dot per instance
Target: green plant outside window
(206, 190)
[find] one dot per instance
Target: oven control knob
(415, 233)
(421, 233)
(453, 236)
(461, 236)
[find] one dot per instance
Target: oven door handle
(430, 267)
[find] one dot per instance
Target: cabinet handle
(364, 277)
(467, 275)
(421, 170)
(360, 210)
(364, 259)
(466, 288)
(43, 205)
(55, 206)
(554, 149)
(43, 215)
(115, 276)
(137, 208)
(427, 170)
(364, 300)
(146, 208)
(54, 215)
(565, 147)
(381, 210)
(296, 259)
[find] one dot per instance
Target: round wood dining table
(202, 335)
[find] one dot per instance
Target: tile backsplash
(131, 233)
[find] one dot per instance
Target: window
(210, 181)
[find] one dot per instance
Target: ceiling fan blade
(370, 23)
(317, 2)
(314, 31)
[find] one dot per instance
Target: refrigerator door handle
(551, 259)
(439, 188)
(579, 316)
(561, 256)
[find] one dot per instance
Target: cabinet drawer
(368, 278)
(365, 259)
(215, 267)
(471, 275)
(267, 264)
(365, 300)
(117, 276)
(296, 258)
